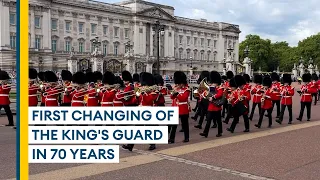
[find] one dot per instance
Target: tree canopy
(269, 56)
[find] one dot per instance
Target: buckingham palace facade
(64, 29)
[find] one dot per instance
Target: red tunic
(66, 94)
(92, 97)
(182, 100)
(147, 98)
(51, 98)
(107, 97)
(287, 92)
(78, 97)
(118, 98)
(257, 94)
(318, 84)
(4, 94)
(129, 90)
(160, 97)
(267, 104)
(43, 89)
(307, 91)
(315, 85)
(33, 96)
(219, 94)
(275, 96)
(247, 88)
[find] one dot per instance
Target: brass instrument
(263, 98)
(144, 89)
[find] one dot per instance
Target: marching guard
(213, 109)
(77, 96)
(33, 87)
(276, 96)
(286, 91)
(108, 91)
(43, 86)
(161, 91)
(315, 85)
(247, 88)
(119, 97)
(256, 92)
(180, 98)
(5, 89)
(129, 95)
(266, 101)
(52, 90)
(227, 91)
(306, 92)
(136, 80)
(92, 94)
(66, 77)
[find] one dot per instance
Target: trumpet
(141, 90)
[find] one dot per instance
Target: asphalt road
(284, 152)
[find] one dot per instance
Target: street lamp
(157, 29)
(246, 51)
(191, 62)
(40, 63)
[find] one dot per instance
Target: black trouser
(203, 113)
(283, 108)
(253, 109)
(225, 109)
(198, 112)
(185, 126)
(197, 104)
(229, 114)
(43, 104)
(277, 102)
(214, 116)
(269, 111)
(236, 121)
(8, 112)
(318, 95)
(303, 105)
(315, 98)
(65, 104)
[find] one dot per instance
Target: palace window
(126, 33)
(13, 42)
(201, 55)
(105, 30)
(12, 19)
(105, 48)
(81, 46)
(202, 41)
(195, 55)
(195, 41)
(68, 45)
(68, 26)
(80, 27)
(54, 45)
(54, 24)
(116, 31)
(180, 39)
(208, 57)
(37, 23)
(93, 28)
(215, 43)
(188, 54)
(115, 49)
(214, 57)
(180, 53)
(38, 42)
(209, 40)
(188, 40)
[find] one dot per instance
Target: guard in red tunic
(318, 82)
(66, 78)
(247, 88)
(213, 109)
(43, 86)
(129, 98)
(33, 88)
(161, 91)
(92, 94)
(119, 97)
(276, 96)
(180, 98)
(256, 95)
(77, 96)
(4, 96)
(266, 101)
(52, 91)
(202, 101)
(238, 100)
(98, 77)
(136, 80)
(227, 91)
(315, 85)
(108, 92)
(286, 91)
(306, 92)
(147, 98)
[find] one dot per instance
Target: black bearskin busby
(258, 79)
(108, 78)
(79, 78)
(66, 75)
(98, 75)
(33, 74)
(275, 77)
(230, 75)
(50, 76)
(224, 77)
(136, 77)
(119, 81)
(204, 74)
(240, 80)
(306, 77)
(146, 79)
(314, 77)
(215, 77)
(246, 78)
(4, 75)
(286, 78)
(267, 81)
(41, 76)
(180, 77)
(90, 78)
(126, 76)
(158, 79)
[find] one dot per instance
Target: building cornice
(146, 3)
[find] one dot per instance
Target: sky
(277, 20)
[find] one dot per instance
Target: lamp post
(40, 63)
(157, 29)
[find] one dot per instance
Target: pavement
(284, 152)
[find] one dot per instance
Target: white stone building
(58, 28)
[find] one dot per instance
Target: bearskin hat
(79, 78)
(136, 77)
(50, 76)
(215, 77)
(108, 78)
(66, 75)
(98, 75)
(224, 77)
(267, 81)
(286, 78)
(315, 77)
(306, 77)
(126, 76)
(232, 83)
(4, 75)
(179, 77)
(230, 75)
(275, 77)
(119, 81)
(41, 76)
(246, 78)
(240, 80)
(204, 74)
(33, 73)
(90, 78)
(146, 79)
(258, 79)
(158, 79)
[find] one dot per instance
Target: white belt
(4, 95)
(106, 102)
(77, 101)
(182, 103)
(287, 96)
(51, 99)
(307, 94)
(31, 95)
(91, 97)
(258, 95)
(117, 102)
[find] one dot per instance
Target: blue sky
(278, 20)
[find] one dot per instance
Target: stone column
(32, 31)
(166, 42)
(151, 42)
(97, 64)
(46, 30)
(73, 65)
(4, 25)
(149, 67)
(171, 45)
